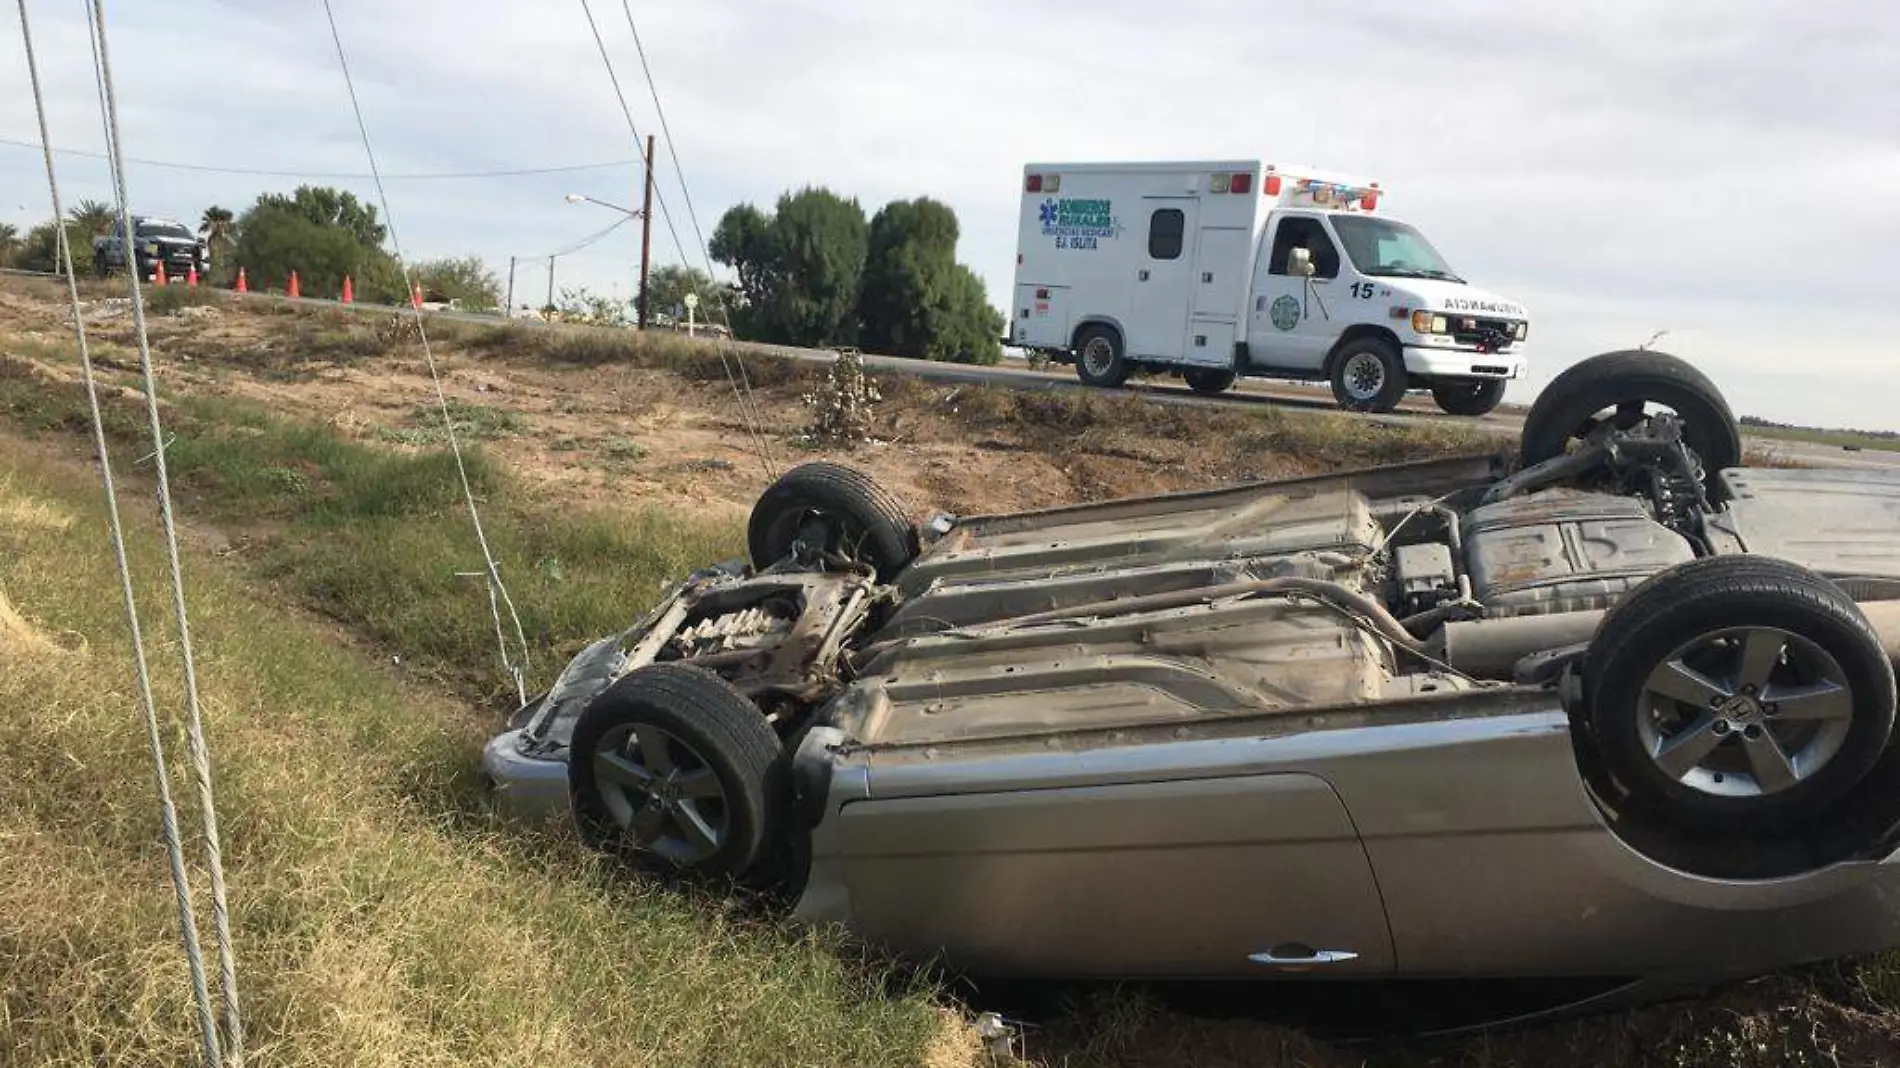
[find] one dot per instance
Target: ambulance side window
(1165, 228)
(1296, 232)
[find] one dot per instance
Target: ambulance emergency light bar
(1292, 191)
(1296, 191)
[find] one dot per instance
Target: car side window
(1165, 229)
(1298, 232)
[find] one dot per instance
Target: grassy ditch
(380, 539)
(380, 919)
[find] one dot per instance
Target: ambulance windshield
(1392, 249)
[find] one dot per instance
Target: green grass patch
(381, 540)
(380, 917)
(174, 298)
(473, 422)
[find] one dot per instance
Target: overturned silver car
(1615, 707)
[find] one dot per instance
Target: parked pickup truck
(155, 240)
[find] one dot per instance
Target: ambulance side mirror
(1299, 263)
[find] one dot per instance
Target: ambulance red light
(1271, 184)
(1034, 184)
(1370, 201)
(1242, 183)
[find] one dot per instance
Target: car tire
(1572, 407)
(1099, 360)
(676, 770)
(1468, 396)
(1209, 381)
(1737, 693)
(1368, 375)
(847, 510)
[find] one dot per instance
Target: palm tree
(93, 218)
(9, 243)
(217, 227)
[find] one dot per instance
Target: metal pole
(646, 232)
(550, 302)
(508, 306)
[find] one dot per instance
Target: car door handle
(1141, 276)
(1297, 956)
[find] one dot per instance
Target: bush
(842, 406)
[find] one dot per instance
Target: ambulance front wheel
(1368, 375)
(1098, 357)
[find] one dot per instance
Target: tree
(278, 236)
(962, 324)
(40, 249)
(9, 243)
(800, 268)
(667, 288)
(462, 279)
(218, 228)
(917, 300)
(913, 246)
(92, 218)
(329, 207)
(743, 241)
(820, 238)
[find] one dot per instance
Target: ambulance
(1215, 270)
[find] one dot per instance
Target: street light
(577, 198)
(645, 215)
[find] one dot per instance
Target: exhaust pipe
(1491, 648)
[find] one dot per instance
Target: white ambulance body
(1219, 269)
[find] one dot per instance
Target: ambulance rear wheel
(1368, 375)
(1208, 381)
(1468, 396)
(1098, 357)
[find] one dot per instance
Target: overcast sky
(1728, 170)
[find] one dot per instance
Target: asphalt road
(1507, 421)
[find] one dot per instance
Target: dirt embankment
(627, 421)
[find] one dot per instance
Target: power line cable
(679, 174)
(585, 242)
(197, 748)
(497, 591)
(149, 704)
(742, 395)
(257, 172)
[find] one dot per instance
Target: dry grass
(381, 918)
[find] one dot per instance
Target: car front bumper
(527, 785)
(1462, 363)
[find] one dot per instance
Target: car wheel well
(1075, 336)
(1359, 332)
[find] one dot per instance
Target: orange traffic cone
(293, 289)
(242, 285)
(159, 278)
(415, 296)
(191, 276)
(349, 293)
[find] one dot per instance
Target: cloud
(1721, 169)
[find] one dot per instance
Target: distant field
(1846, 439)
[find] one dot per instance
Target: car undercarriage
(1483, 716)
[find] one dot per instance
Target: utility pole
(550, 302)
(509, 306)
(646, 232)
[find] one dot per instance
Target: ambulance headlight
(1425, 321)
(1523, 331)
